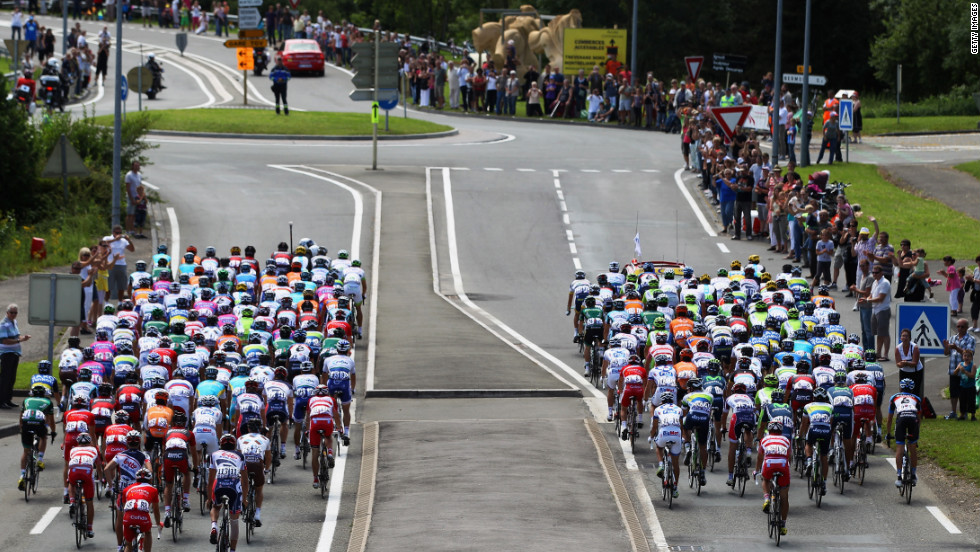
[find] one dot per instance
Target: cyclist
(178, 445)
(129, 398)
(841, 398)
(697, 416)
(180, 393)
(775, 447)
(84, 387)
(776, 411)
(614, 359)
(631, 388)
(865, 397)
(157, 420)
(102, 410)
(741, 421)
(715, 384)
(342, 377)
(906, 407)
(800, 388)
(44, 378)
(138, 499)
(115, 437)
(36, 417)
(817, 416)
(590, 327)
(304, 385)
(258, 460)
(249, 405)
(126, 464)
(279, 403)
(229, 479)
(206, 418)
(82, 465)
(322, 414)
(78, 420)
(666, 425)
(211, 387)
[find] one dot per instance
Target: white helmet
(151, 55)
(52, 63)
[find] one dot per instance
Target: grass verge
(298, 123)
(953, 445)
(920, 124)
(27, 369)
(972, 168)
(927, 223)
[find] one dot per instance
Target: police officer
(280, 77)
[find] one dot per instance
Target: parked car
(301, 55)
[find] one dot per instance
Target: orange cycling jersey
(226, 338)
(817, 299)
(299, 306)
(267, 281)
(634, 304)
(141, 293)
(685, 371)
(158, 420)
(681, 324)
(293, 277)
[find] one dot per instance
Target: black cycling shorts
(907, 430)
(819, 436)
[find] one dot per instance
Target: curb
(535, 120)
(9, 430)
(304, 137)
(936, 133)
(471, 393)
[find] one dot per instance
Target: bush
(959, 101)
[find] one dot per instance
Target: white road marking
(458, 278)
(621, 170)
(561, 195)
(375, 276)
(569, 235)
(174, 231)
(233, 78)
(554, 173)
(189, 68)
(98, 95)
(557, 184)
(651, 170)
(891, 461)
(459, 168)
(723, 248)
(333, 495)
(150, 186)
(562, 205)
(525, 170)
(355, 245)
(577, 263)
(694, 206)
(564, 218)
(590, 170)
(45, 520)
(327, 142)
(571, 247)
(943, 520)
(494, 169)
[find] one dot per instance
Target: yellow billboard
(586, 48)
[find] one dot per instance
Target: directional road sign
(375, 108)
(694, 65)
(385, 97)
(815, 80)
(729, 62)
(249, 3)
(249, 18)
(251, 33)
(247, 43)
(124, 88)
(799, 69)
(730, 117)
(245, 60)
(388, 99)
(929, 324)
(846, 115)
(386, 79)
(363, 65)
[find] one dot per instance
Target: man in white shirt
(16, 23)
(881, 298)
(783, 119)
(118, 275)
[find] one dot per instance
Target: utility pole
(633, 43)
(776, 84)
(808, 124)
(117, 123)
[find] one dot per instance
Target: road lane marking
(375, 274)
(492, 169)
(694, 206)
(174, 231)
(564, 218)
(891, 461)
(329, 526)
(651, 170)
(562, 205)
(723, 248)
(561, 195)
(627, 511)
(525, 170)
(621, 170)
(571, 247)
(459, 168)
(98, 95)
(577, 263)
(458, 282)
(150, 186)
(569, 235)
(45, 520)
(943, 520)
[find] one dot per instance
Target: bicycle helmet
(871, 356)
(208, 400)
(834, 318)
(85, 374)
(613, 266)
(775, 428)
(862, 378)
(281, 373)
(105, 389)
(803, 366)
(179, 419)
(770, 381)
(251, 385)
(228, 442)
(343, 254)
(907, 384)
(667, 397)
(255, 425)
(856, 364)
(800, 334)
(840, 377)
(321, 391)
(306, 367)
(786, 345)
(714, 366)
(161, 397)
(778, 395)
(38, 391)
(819, 331)
(820, 395)
(134, 439)
(739, 388)
(694, 384)
(579, 274)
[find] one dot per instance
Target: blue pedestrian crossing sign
(929, 324)
(846, 119)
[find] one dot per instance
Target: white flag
(636, 246)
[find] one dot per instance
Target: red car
(301, 55)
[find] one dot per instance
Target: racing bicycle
(248, 513)
(202, 482)
(838, 457)
(31, 469)
(224, 527)
(669, 484)
(177, 505)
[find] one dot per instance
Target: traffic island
(298, 124)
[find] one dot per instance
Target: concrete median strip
(364, 507)
(631, 520)
(470, 393)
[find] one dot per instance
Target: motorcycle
(157, 84)
(261, 59)
(50, 92)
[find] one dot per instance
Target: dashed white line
(590, 170)
(572, 248)
(564, 218)
(557, 183)
(494, 169)
(651, 170)
(943, 520)
(577, 263)
(723, 247)
(556, 171)
(561, 194)
(563, 206)
(525, 170)
(569, 235)
(45, 520)
(621, 170)
(459, 168)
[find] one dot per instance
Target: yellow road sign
(799, 69)
(251, 33)
(245, 60)
(247, 43)
(374, 112)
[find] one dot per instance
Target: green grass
(920, 124)
(262, 121)
(955, 446)
(63, 238)
(927, 223)
(24, 372)
(973, 168)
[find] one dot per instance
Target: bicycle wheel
(249, 516)
(631, 425)
(175, 504)
(712, 449)
(818, 483)
(29, 478)
(907, 480)
(224, 533)
(774, 512)
(324, 471)
(79, 516)
(669, 482)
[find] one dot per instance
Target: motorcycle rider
(52, 69)
(154, 67)
(25, 90)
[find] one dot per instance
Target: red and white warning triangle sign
(730, 117)
(694, 65)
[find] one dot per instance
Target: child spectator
(595, 102)
(142, 205)
(968, 391)
(953, 284)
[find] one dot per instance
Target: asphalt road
(476, 388)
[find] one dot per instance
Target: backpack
(927, 410)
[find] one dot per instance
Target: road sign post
(847, 123)
(929, 324)
(728, 118)
(245, 63)
(807, 127)
(16, 49)
(372, 82)
(814, 80)
(53, 300)
(374, 105)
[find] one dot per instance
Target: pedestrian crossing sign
(929, 324)
(846, 120)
